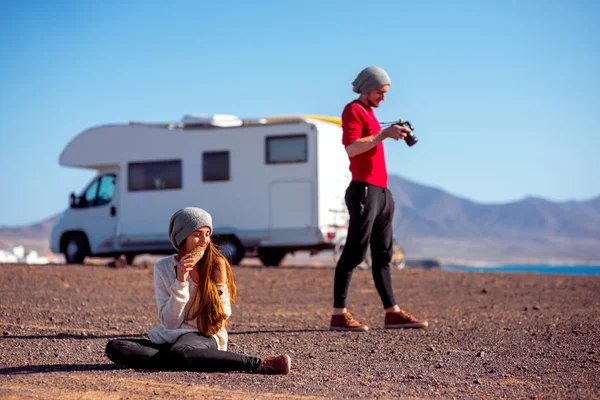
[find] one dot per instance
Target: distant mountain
(33, 237)
(40, 230)
(434, 224)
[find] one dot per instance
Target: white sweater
(172, 299)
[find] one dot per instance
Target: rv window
(215, 166)
(286, 149)
(106, 190)
(90, 194)
(156, 175)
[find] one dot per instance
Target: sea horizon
(555, 269)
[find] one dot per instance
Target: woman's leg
(135, 353)
(194, 352)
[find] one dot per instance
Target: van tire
(75, 248)
(231, 248)
(271, 257)
(130, 257)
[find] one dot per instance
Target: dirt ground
(490, 336)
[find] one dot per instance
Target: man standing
(370, 204)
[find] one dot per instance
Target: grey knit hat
(370, 79)
(186, 221)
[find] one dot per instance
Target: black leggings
(371, 210)
(191, 352)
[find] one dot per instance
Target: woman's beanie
(370, 79)
(186, 221)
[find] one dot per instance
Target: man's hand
(396, 132)
(184, 266)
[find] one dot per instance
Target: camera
(410, 138)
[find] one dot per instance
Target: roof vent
(221, 120)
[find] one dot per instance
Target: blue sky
(504, 95)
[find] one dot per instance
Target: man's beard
(372, 104)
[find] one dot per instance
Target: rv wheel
(271, 257)
(129, 257)
(231, 249)
(75, 249)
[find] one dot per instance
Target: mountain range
(431, 223)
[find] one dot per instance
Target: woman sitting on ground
(194, 293)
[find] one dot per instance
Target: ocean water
(593, 270)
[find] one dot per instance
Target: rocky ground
(490, 335)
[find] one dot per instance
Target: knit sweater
(173, 302)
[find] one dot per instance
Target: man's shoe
(275, 365)
(402, 319)
(345, 322)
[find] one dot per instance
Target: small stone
(430, 348)
(7, 333)
(51, 318)
(484, 290)
(438, 365)
(480, 354)
(537, 308)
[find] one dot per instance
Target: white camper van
(273, 186)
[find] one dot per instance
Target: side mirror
(72, 200)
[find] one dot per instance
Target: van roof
(100, 147)
(195, 121)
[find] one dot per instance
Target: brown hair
(206, 303)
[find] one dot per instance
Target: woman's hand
(184, 266)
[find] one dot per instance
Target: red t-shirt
(359, 121)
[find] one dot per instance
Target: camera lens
(410, 139)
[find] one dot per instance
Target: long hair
(206, 303)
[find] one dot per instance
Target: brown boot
(275, 365)
(345, 322)
(402, 319)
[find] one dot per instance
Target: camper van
(273, 186)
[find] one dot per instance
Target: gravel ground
(490, 335)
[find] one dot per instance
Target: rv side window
(89, 197)
(215, 166)
(97, 193)
(286, 149)
(106, 191)
(155, 175)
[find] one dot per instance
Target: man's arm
(364, 144)
(352, 125)
(367, 143)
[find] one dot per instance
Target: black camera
(410, 139)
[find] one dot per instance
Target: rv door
(96, 211)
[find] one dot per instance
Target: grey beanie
(186, 221)
(370, 79)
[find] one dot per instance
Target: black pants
(191, 352)
(371, 210)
